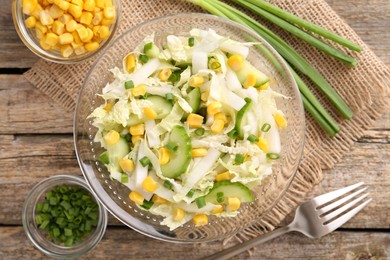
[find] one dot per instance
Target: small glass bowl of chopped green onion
(62, 218)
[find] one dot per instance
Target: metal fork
(314, 218)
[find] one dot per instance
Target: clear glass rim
(97, 188)
(22, 30)
(60, 251)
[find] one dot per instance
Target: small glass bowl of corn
(65, 31)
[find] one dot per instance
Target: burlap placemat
(365, 88)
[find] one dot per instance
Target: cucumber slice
(159, 104)
(117, 151)
(193, 99)
(181, 158)
(229, 189)
(242, 118)
(247, 68)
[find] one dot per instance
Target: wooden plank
(26, 159)
(25, 109)
(127, 244)
(370, 19)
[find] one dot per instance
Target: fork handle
(234, 250)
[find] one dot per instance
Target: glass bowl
(115, 195)
(39, 239)
(30, 39)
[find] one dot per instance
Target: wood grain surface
(36, 142)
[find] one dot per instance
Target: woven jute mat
(365, 88)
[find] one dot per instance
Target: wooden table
(36, 142)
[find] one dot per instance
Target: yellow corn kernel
(280, 121)
(89, 36)
(65, 38)
(149, 184)
(107, 22)
(76, 37)
(89, 5)
(109, 12)
(137, 129)
(103, 32)
(200, 220)
(51, 39)
(82, 32)
(41, 27)
(107, 3)
(196, 81)
(217, 210)
(130, 63)
(37, 11)
(97, 18)
(194, 120)
(86, 18)
(40, 35)
(80, 50)
(217, 126)
(263, 144)
(66, 51)
(224, 176)
(109, 104)
(127, 165)
(112, 137)
(164, 74)
(236, 62)
(150, 113)
(28, 6)
(44, 3)
(163, 156)
(55, 12)
(99, 3)
(95, 30)
(50, 1)
(75, 10)
(45, 18)
(233, 204)
(205, 95)
(135, 138)
(221, 116)
(213, 108)
(199, 152)
(76, 45)
(264, 86)
(78, 3)
(158, 200)
(65, 18)
(139, 90)
(91, 46)
(31, 22)
(250, 80)
(62, 4)
(58, 27)
(178, 214)
(42, 42)
(136, 197)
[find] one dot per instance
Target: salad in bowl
(190, 126)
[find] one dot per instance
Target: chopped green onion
(239, 158)
(233, 134)
(174, 77)
(220, 197)
(129, 84)
(124, 178)
(199, 131)
(128, 137)
(191, 41)
(143, 58)
(169, 96)
(147, 204)
(252, 138)
(148, 47)
(167, 184)
(214, 64)
(145, 161)
(200, 202)
(266, 127)
(273, 156)
(172, 147)
(38, 207)
(104, 158)
(190, 193)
